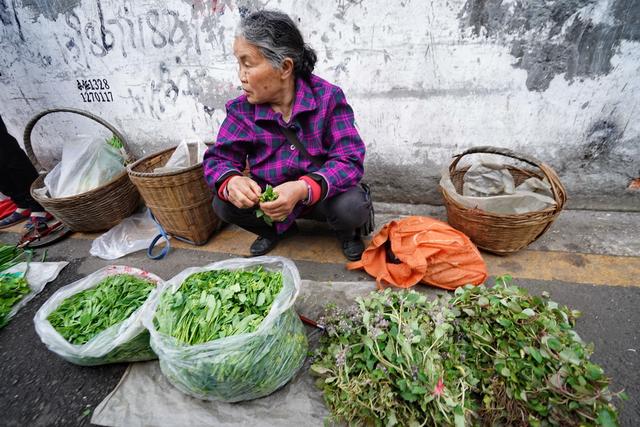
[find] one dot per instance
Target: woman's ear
(287, 68)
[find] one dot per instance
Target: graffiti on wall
(155, 29)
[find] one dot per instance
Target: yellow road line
(568, 267)
(527, 264)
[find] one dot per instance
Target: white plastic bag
(186, 154)
(490, 188)
(487, 179)
(86, 164)
(38, 275)
(238, 367)
(126, 341)
(131, 235)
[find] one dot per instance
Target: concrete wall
(556, 79)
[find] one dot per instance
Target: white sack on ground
(133, 234)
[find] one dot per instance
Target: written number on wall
(95, 90)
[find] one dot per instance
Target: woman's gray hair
(277, 37)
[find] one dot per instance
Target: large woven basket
(499, 233)
(95, 210)
(180, 201)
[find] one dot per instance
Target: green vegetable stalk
(267, 196)
(215, 343)
(11, 255)
(13, 288)
(486, 356)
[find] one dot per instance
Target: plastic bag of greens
(22, 282)
(124, 341)
(86, 164)
(238, 366)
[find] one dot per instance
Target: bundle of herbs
(228, 334)
(267, 196)
(486, 356)
(98, 319)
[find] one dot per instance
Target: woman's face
(261, 82)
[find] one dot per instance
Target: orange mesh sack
(422, 249)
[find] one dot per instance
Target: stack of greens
(84, 315)
(268, 196)
(217, 304)
(221, 337)
(13, 287)
(486, 356)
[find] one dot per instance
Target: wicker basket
(95, 210)
(180, 201)
(499, 233)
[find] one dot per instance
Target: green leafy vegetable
(11, 255)
(115, 142)
(267, 196)
(84, 315)
(13, 288)
(217, 304)
(487, 356)
(238, 357)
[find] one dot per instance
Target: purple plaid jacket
(324, 124)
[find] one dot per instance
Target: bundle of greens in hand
(267, 196)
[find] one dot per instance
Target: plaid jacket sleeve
(228, 155)
(344, 166)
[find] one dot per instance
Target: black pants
(345, 213)
(16, 172)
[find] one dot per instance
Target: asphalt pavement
(588, 260)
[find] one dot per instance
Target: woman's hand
(243, 192)
(289, 194)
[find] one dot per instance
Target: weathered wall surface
(427, 79)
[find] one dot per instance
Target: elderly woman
(296, 132)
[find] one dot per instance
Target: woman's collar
(304, 101)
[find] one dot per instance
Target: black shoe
(352, 247)
(262, 245)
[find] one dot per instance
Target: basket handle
(496, 150)
(559, 193)
(29, 129)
